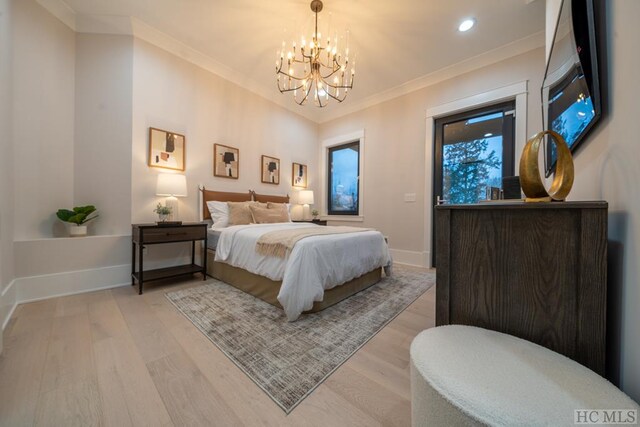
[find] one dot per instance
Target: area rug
(288, 360)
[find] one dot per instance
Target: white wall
(607, 169)
(395, 133)
(172, 94)
(102, 140)
(6, 164)
(43, 120)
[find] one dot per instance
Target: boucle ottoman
(463, 375)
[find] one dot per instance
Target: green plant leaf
(64, 214)
(84, 209)
(79, 215)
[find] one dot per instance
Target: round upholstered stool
(462, 375)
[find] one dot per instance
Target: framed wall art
(226, 161)
(270, 170)
(166, 149)
(299, 175)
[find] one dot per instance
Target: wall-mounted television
(571, 102)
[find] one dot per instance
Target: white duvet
(315, 264)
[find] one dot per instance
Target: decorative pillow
(239, 213)
(266, 215)
(219, 214)
(285, 207)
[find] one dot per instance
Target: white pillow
(219, 214)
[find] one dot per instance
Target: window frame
(331, 150)
(324, 190)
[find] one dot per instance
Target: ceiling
(397, 43)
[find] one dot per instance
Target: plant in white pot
(163, 212)
(77, 218)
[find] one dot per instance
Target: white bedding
(315, 264)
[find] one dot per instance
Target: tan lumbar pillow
(266, 215)
(239, 213)
(284, 207)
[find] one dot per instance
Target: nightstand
(313, 221)
(154, 234)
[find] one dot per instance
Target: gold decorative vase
(530, 178)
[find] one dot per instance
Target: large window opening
(343, 176)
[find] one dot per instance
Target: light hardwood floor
(114, 358)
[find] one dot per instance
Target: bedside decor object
(226, 161)
(530, 178)
(166, 149)
(314, 214)
(270, 170)
(305, 198)
(299, 175)
(76, 218)
(173, 186)
(163, 212)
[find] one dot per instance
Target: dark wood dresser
(534, 270)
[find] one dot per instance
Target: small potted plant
(77, 218)
(163, 212)
(314, 214)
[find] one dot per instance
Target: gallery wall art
(226, 161)
(270, 170)
(166, 149)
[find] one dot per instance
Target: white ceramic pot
(77, 230)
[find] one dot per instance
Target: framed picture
(270, 170)
(226, 161)
(299, 175)
(166, 149)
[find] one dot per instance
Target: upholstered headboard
(263, 198)
(221, 196)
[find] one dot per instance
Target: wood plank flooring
(113, 358)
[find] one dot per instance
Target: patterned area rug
(288, 360)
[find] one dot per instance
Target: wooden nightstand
(153, 234)
(314, 221)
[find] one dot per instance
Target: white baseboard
(37, 288)
(8, 303)
(413, 258)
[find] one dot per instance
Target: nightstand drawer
(172, 234)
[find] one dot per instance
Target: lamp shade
(305, 197)
(170, 184)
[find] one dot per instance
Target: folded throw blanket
(279, 243)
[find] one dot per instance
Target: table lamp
(173, 186)
(305, 198)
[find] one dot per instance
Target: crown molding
(493, 56)
(124, 25)
(60, 10)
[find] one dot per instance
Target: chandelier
(315, 70)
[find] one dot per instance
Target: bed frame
(259, 286)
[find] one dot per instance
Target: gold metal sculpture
(530, 178)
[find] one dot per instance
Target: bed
(319, 271)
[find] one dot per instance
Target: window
(343, 176)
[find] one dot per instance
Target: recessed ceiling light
(466, 25)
